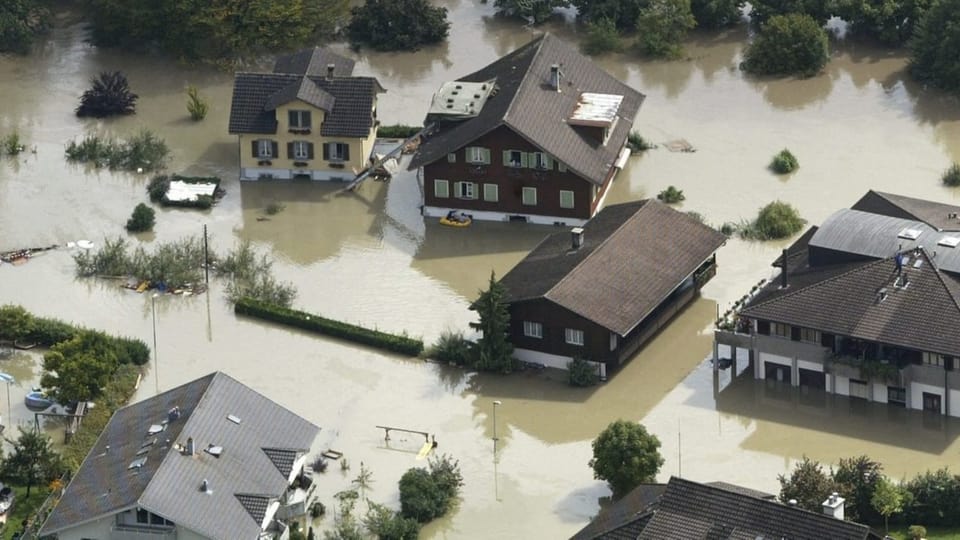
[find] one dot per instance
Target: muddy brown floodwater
(370, 258)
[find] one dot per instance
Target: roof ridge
(523, 81)
(939, 274)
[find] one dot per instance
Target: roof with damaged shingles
(634, 255)
(923, 316)
(940, 216)
(314, 62)
(256, 95)
(169, 483)
(526, 103)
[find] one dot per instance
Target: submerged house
(536, 136)
(210, 459)
(599, 292)
(867, 305)
(308, 118)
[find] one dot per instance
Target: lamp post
(156, 360)
(495, 439)
(7, 378)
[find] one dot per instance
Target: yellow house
(309, 118)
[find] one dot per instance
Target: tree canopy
(891, 22)
(662, 25)
(536, 11)
(763, 10)
(77, 369)
(856, 479)
(32, 461)
(20, 22)
(397, 25)
(807, 484)
(788, 45)
(887, 500)
(494, 351)
(716, 13)
(625, 455)
(623, 13)
(933, 48)
(428, 494)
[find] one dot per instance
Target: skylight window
(910, 234)
(137, 463)
(233, 418)
(155, 428)
(949, 241)
(215, 451)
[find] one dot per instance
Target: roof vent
(330, 68)
(909, 234)
(205, 487)
(949, 241)
(881, 295)
(214, 450)
(188, 450)
(555, 77)
(155, 428)
(137, 463)
(233, 418)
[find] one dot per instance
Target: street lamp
(495, 439)
(7, 378)
(156, 360)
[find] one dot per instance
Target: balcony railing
(888, 371)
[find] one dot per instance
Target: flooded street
(368, 257)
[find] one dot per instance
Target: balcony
(133, 532)
(858, 367)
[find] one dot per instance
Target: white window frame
(496, 193)
(265, 149)
(523, 196)
(516, 164)
(436, 188)
(533, 329)
(540, 161)
(573, 336)
(572, 198)
(465, 190)
(475, 154)
(337, 151)
(301, 150)
(300, 114)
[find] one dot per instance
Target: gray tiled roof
(314, 62)
(169, 483)
(527, 104)
(255, 95)
(938, 215)
(633, 256)
(625, 518)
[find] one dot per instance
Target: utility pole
(206, 258)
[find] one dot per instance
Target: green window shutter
(561, 167)
(506, 158)
(309, 150)
(452, 157)
(289, 150)
(255, 152)
(441, 188)
(486, 155)
(526, 160)
(490, 193)
(529, 196)
(274, 149)
(566, 199)
(548, 161)
(346, 151)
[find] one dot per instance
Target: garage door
(777, 372)
(858, 389)
(813, 379)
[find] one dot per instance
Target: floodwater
(369, 258)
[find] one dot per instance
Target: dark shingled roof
(686, 510)
(633, 256)
(314, 62)
(934, 214)
(255, 505)
(526, 103)
(256, 95)
(169, 483)
(282, 459)
(923, 316)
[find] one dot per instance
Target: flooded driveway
(369, 258)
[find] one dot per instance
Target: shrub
(20, 22)
(16, 323)
(174, 264)
(451, 348)
(714, 14)
(426, 495)
(662, 25)
(196, 105)
(397, 131)
(791, 44)
(774, 221)
(535, 11)
(109, 95)
(144, 151)
(934, 498)
(601, 37)
(637, 143)
(158, 187)
(951, 176)
(11, 145)
(397, 25)
(623, 13)
(582, 373)
(321, 325)
(47, 332)
(917, 532)
(671, 195)
(274, 208)
(252, 277)
(143, 219)
(784, 162)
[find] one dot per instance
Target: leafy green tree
(109, 94)
(714, 14)
(142, 219)
(662, 25)
(887, 499)
(532, 10)
(933, 48)
(856, 479)
(891, 22)
(601, 36)
(386, 524)
(623, 13)
(625, 455)
(494, 351)
(32, 462)
(15, 322)
(426, 495)
(788, 45)
(77, 369)
(20, 22)
(397, 25)
(774, 221)
(934, 498)
(762, 10)
(807, 484)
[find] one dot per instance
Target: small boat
(37, 401)
(456, 219)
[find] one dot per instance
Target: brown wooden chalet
(536, 136)
(601, 291)
(867, 306)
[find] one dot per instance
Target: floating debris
(679, 145)
(21, 256)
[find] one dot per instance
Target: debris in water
(679, 145)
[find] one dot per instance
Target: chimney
(189, 449)
(555, 77)
(783, 271)
(330, 71)
(576, 238)
(205, 486)
(833, 506)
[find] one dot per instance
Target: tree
(856, 479)
(784, 162)
(788, 45)
(763, 10)
(425, 495)
(32, 462)
(536, 11)
(625, 455)
(808, 484)
(142, 219)
(623, 13)
(109, 95)
(77, 369)
(714, 14)
(933, 48)
(494, 351)
(887, 500)
(15, 322)
(386, 524)
(601, 36)
(891, 22)
(397, 25)
(662, 25)
(20, 22)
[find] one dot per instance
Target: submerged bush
(252, 277)
(109, 95)
(143, 219)
(637, 143)
(774, 221)
(144, 151)
(582, 372)
(671, 195)
(397, 25)
(196, 105)
(11, 145)
(602, 36)
(951, 176)
(784, 162)
(793, 44)
(451, 348)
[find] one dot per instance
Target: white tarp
(182, 191)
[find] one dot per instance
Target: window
(614, 339)
(573, 336)
(299, 119)
(264, 149)
(301, 150)
(530, 196)
(452, 157)
(896, 395)
(491, 193)
(478, 155)
(441, 189)
(566, 199)
(143, 516)
(336, 152)
(561, 167)
(780, 330)
(465, 190)
(933, 359)
(810, 336)
(533, 329)
(542, 161)
(514, 158)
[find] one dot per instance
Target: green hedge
(397, 131)
(315, 323)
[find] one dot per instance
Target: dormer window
(299, 120)
(514, 158)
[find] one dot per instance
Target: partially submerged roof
(314, 61)
(633, 256)
(526, 102)
(348, 102)
(940, 216)
(134, 463)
